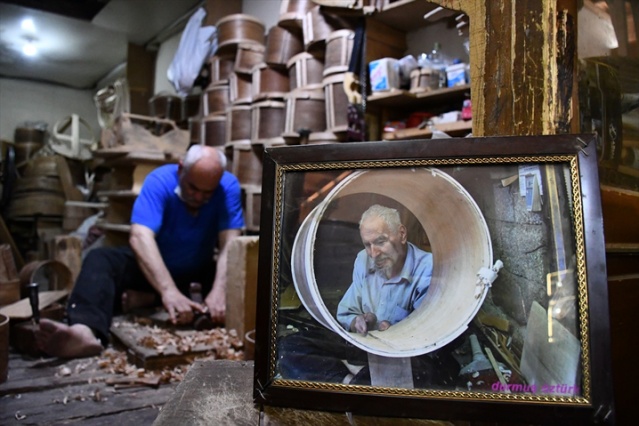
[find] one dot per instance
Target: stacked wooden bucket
(271, 88)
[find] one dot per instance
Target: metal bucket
(459, 241)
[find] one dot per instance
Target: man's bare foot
(133, 299)
(64, 341)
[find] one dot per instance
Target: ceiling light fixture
(29, 49)
(27, 24)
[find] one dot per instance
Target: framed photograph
(458, 279)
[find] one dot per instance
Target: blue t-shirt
(186, 242)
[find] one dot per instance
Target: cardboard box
(384, 74)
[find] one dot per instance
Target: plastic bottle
(438, 63)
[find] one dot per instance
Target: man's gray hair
(196, 152)
(389, 215)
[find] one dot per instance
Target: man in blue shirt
(391, 277)
(183, 212)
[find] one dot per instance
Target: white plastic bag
(194, 48)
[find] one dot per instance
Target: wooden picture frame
(514, 324)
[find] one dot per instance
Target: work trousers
(106, 273)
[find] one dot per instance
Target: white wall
(24, 101)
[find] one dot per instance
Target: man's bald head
(199, 174)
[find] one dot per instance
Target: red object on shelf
(467, 110)
(417, 118)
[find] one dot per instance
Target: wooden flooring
(49, 391)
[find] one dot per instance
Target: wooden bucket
(336, 103)
(29, 134)
(339, 46)
(166, 106)
(215, 99)
(459, 241)
(305, 112)
(238, 28)
(247, 163)
(292, 13)
(49, 274)
(269, 83)
(241, 91)
(195, 130)
(41, 166)
(304, 70)
(238, 122)
(317, 26)
(268, 119)
(248, 56)
(221, 68)
(281, 45)
(191, 105)
(214, 130)
(25, 151)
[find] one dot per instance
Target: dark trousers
(106, 273)
(316, 354)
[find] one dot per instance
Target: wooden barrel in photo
(269, 83)
(214, 130)
(221, 67)
(339, 46)
(238, 28)
(241, 91)
(336, 103)
(215, 99)
(247, 163)
(281, 45)
(238, 122)
(305, 70)
(292, 13)
(305, 113)
(248, 55)
(458, 238)
(268, 119)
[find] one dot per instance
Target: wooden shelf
(406, 99)
(454, 129)
(405, 15)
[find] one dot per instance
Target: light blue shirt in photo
(389, 299)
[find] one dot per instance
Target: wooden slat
(22, 309)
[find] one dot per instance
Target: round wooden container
(247, 163)
(191, 106)
(26, 150)
(248, 55)
(238, 122)
(238, 28)
(339, 46)
(46, 165)
(305, 112)
(29, 134)
(292, 13)
(336, 103)
(214, 130)
(166, 106)
(317, 26)
(241, 88)
(215, 99)
(195, 130)
(281, 45)
(304, 70)
(221, 67)
(423, 80)
(269, 83)
(318, 138)
(49, 274)
(267, 120)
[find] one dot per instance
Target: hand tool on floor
(201, 320)
(33, 300)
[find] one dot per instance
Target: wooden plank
(22, 308)
(241, 288)
(8, 270)
(6, 237)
